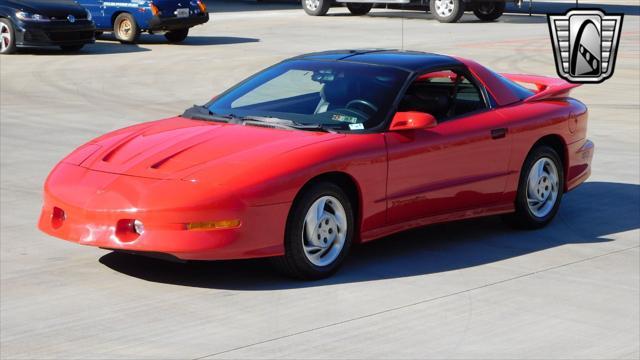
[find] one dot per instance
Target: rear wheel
(7, 37)
(71, 47)
(319, 233)
(539, 190)
(175, 36)
(126, 29)
(446, 11)
(489, 11)
(316, 7)
(359, 9)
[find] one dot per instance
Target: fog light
(138, 227)
(128, 229)
(213, 225)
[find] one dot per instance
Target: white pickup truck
(447, 11)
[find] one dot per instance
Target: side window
(443, 94)
(468, 98)
(290, 84)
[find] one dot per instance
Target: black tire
(523, 216)
(489, 11)
(316, 7)
(359, 9)
(295, 263)
(175, 36)
(98, 34)
(125, 29)
(71, 48)
(453, 16)
(8, 37)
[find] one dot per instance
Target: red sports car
(321, 151)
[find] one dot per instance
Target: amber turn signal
(202, 6)
(213, 225)
(154, 9)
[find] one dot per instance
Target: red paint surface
(171, 172)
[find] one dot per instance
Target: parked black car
(37, 23)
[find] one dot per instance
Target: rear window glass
(520, 91)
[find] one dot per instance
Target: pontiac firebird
(321, 151)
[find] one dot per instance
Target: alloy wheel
(324, 231)
(124, 28)
(444, 8)
(542, 187)
(312, 4)
(5, 37)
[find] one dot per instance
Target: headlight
(89, 17)
(25, 16)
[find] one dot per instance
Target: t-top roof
(409, 60)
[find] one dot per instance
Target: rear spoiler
(547, 87)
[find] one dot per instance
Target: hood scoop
(158, 164)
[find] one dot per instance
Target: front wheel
(539, 190)
(447, 11)
(7, 37)
(175, 36)
(316, 7)
(319, 233)
(359, 9)
(126, 29)
(489, 11)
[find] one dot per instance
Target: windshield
(339, 95)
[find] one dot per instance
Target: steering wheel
(363, 102)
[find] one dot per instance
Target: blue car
(128, 18)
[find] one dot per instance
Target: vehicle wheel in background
(446, 11)
(175, 36)
(71, 47)
(7, 37)
(539, 190)
(489, 11)
(319, 232)
(359, 8)
(316, 7)
(126, 29)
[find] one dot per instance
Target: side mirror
(412, 120)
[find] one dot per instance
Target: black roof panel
(410, 60)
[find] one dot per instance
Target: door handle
(498, 133)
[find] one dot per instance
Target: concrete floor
(474, 289)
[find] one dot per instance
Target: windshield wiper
(199, 112)
(285, 123)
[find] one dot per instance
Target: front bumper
(94, 205)
(174, 23)
(54, 33)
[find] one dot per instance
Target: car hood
(59, 9)
(177, 147)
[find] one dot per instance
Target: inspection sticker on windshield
(344, 118)
(356, 126)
